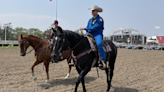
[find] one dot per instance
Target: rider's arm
(51, 33)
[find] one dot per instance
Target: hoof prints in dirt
(135, 71)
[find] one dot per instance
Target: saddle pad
(107, 47)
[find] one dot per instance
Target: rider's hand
(89, 31)
(81, 28)
(47, 34)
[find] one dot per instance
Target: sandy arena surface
(135, 71)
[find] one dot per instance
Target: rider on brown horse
(55, 30)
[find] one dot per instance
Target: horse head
(61, 49)
(23, 44)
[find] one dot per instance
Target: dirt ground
(135, 71)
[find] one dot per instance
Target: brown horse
(42, 51)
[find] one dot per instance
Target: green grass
(14, 47)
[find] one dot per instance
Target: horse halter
(23, 40)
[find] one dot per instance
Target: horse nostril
(53, 55)
(23, 54)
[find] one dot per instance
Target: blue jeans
(99, 39)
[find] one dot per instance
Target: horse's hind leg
(46, 63)
(109, 72)
(36, 62)
(108, 81)
(69, 70)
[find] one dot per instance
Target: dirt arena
(135, 71)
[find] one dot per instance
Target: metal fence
(9, 41)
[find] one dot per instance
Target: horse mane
(34, 36)
(73, 35)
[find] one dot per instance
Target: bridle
(24, 41)
(59, 51)
(64, 40)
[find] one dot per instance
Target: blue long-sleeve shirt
(96, 26)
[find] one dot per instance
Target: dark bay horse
(80, 44)
(42, 51)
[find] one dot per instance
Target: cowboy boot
(102, 65)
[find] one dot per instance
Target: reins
(79, 55)
(35, 47)
(43, 48)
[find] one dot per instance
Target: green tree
(79, 32)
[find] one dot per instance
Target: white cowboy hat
(95, 7)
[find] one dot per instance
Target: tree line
(12, 34)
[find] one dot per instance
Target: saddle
(94, 48)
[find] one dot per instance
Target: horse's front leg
(81, 78)
(46, 63)
(36, 62)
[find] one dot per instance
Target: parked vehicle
(160, 48)
(152, 48)
(129, 47)
(137, 47)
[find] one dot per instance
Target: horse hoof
(107, 91)
(46, 80)
(34, 78)
(67, 76)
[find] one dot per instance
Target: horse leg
(46, 63)
(83, 84)
(109, 73)
(81, 78)
(69, 70)
(36, 62)
(108, 81)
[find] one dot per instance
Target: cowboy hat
(95, 7)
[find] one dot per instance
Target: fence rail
(9, 41)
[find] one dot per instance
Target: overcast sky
(142, 15)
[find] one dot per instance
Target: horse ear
(61, 30)
(21, 36)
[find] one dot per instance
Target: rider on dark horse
(95, 27)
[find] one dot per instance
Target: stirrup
(103, 67)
